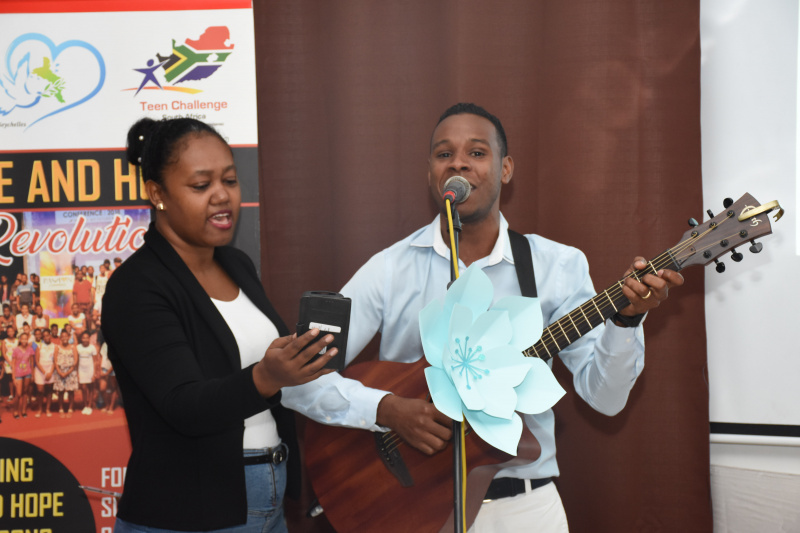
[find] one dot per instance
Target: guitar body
(359, 493)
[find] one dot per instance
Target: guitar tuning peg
(736, 256)
(756, 247)
(720, 266)
(710, 214)
(727, 202)
(693, 222)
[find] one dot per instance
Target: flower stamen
(465, 358)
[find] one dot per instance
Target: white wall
(749, 95)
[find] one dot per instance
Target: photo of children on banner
(49, 364)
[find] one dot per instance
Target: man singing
(394, 285)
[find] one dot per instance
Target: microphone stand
(457, 232)
(458, 445)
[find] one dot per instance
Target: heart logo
(36, 78)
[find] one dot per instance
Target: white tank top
(253, 332)
(47, 353)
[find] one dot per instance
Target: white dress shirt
(394, 285)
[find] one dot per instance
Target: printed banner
(72, 209)
(76, 80)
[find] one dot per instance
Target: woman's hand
(286, 363)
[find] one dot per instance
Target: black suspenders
(521, 250)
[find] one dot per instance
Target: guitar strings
(392, 441)
(557, 331)
(591, 309)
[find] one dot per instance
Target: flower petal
(540, 389)
(444, 395)
(508, 365)
(502, 403)
(459, 326)
(490, 329)
(433, 325)
(472, 289)
(507, 369)
(501, 433)
(525, 315)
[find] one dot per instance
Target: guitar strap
(523, 262)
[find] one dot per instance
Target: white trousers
(539, 511)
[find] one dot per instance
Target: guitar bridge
(386, 444)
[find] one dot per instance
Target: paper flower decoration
(477, 366)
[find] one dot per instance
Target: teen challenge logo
(183, 70)
(190, 61)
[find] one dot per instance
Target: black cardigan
(185, 393)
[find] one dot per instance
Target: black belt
(505, 487)
(275, 456)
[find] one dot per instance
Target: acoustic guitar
(369, 481)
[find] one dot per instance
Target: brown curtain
(601, 104)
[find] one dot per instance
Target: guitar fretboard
(591, 314)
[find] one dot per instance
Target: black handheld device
(330, 313)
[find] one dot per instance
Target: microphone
(456, 189)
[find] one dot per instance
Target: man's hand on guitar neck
(417, 422)
(650, 291)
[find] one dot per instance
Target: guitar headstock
(741, 222)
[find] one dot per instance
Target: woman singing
(199, 353)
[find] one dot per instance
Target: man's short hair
(472, 109)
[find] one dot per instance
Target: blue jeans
(266, 484)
